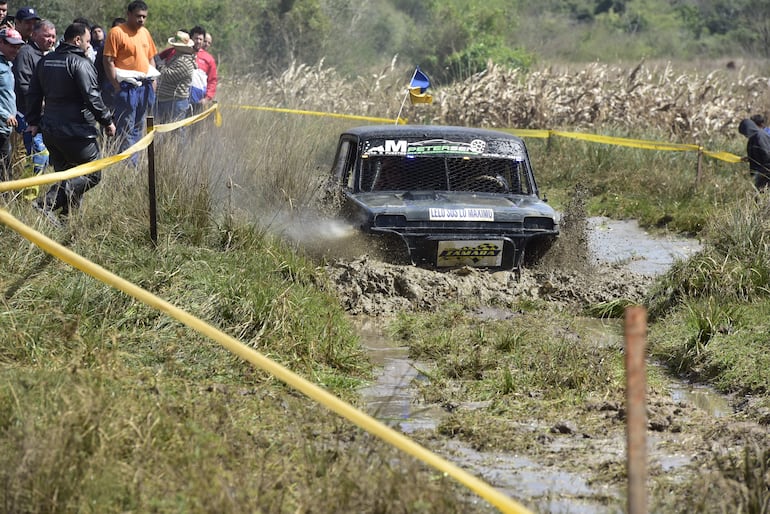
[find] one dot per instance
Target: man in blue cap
(26, 17)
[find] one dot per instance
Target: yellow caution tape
(361, 419)
(168, 127)
(622, 141)
(400, 121)
(542, 134)
(723, 156)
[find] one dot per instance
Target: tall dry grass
(650, 98)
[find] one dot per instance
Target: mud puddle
(547, 486)
(392, 399)
(624, 242)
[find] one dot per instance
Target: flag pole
(403, 102)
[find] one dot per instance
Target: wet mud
(685, 420)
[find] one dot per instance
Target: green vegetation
(109, 406)
(713, 308)
(495, 360)
(453, 39)
(656, 187)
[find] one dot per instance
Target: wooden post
(636, 408)
(699, 171)
(151, 185)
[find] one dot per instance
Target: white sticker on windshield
(467, 214)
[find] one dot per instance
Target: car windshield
(444, 173)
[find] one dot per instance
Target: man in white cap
(10, 44)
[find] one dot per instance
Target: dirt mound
(369, 286)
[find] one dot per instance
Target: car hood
(415, 205)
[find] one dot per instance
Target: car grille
(399, 222)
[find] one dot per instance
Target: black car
(444, 196)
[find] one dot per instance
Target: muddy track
(575, 464)
(371, 287)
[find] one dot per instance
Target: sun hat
(11, 36)
(181, 41)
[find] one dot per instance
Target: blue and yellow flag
(417, 87)
(419, 98)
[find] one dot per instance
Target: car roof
(427, 132)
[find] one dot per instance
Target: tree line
(451, 38)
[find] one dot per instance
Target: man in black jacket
(757, 152)
(66, 81)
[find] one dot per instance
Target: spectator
(25, 20)
(204, 82)
(97, 37)
(10, 44)
(40, 43)
(65, 80)
(760, 122)
(757, 153)
(90, 51)
(5, 20)
(107, 89)
(175, 77)
(205, 87)
(207, 42)
(128, 53)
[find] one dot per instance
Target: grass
(500, 360)
(713, 308)
(108, 406)
(654, 187)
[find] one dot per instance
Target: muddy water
(392, 398)
(625, 242)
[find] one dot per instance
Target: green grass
(712, 309)
(658, 188)
(501, 360)
(109, 406)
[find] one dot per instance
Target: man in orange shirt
(129, 53)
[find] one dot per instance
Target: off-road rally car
(443, 196)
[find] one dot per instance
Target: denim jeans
(131, 105)
(173, 110)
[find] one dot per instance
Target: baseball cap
(27, 13)
(11, 36)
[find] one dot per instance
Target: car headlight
(390, 220)
(538, 223)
